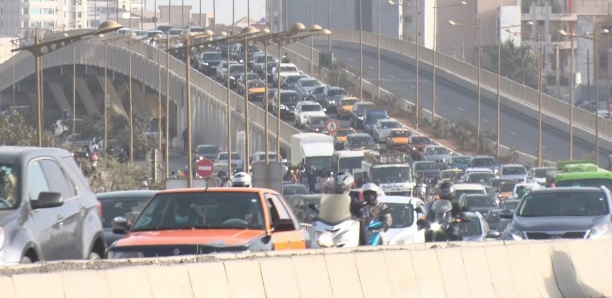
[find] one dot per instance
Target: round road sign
(204, 168)
(332, 125)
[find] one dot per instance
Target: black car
(126, 204)
(478, 203)
(209, 152)
(288, 101)
(430, 170)
(561, 213)
(358, 113)
(47, 209)
(305, 207)
(235, 71)
(209, 61)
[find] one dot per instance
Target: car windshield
(311, 108)
(493, 217)
(336, 92)
(507, 187)
(462, 160)
(236, 68)
(290, 190)
(202, 210)
(390, 124)
(126, 207)
(436, 151)
(353, 162)
(402, 215)
(175, 31)
(480, 162)
(399, 133)
(211, 56)
(344, 132)
(318, 90)
(318, 120)
(362, 141)
(566, 203)
(391, 174)
(424, 166)
(541, 173)
(363, 107)
(252, 76)
(223, 156)
(293, 79)
(348, 102)
(470, 228)
(372, 118)
(309, 83)
(290, 97)
(509, 205)
(459, 192)
(207, 150)
(449, 174)
(514, 171)
(257, 84)
(9, 187)
(480, 201)
(420, 141)
(480, 177)
(288, 69)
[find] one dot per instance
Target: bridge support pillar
(60, 96)
(86, 97)
(115, 104)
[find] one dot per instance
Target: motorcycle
(421, 191)
(335, 226)
(440, 225)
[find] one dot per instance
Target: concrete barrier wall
(492, 269)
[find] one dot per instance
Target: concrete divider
(577, 268)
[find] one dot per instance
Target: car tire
(94, 256)
(25, 260)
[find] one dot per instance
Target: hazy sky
(224, 8)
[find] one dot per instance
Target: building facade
(16, 16)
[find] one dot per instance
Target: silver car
(476, 228)
(516, 172)
(383, 127)
(437, 153)
(304, 86)
(561, 213)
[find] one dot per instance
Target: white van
(469, 188)
(285, 70)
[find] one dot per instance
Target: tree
(16, 130)
(518, 63)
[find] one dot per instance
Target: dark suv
(47, 209)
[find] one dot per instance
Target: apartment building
(47, 14)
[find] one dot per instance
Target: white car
(306, 109)
(405, 211)
(516, 172)
(285, 70)
(538, 175)
(383, 128)
(523, 187)
(469, 188)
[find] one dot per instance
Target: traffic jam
(354, 176)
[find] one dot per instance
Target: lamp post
(311, 38)
(159, 96)
(479, 105)
(571, 37)
(433, 60)
(167, 127)
(40, 48)
(360, 50)
(416, 60)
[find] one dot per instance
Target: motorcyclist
(285, 59)
(447, 192)
(374, 210)
(242, 179)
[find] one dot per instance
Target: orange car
(345, 106)
(340, 137)
(398, 138)
(198, 221)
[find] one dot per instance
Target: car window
(280, 208)
(126, 207)
(402, 215)
(58, 182)
(37, 182)
(9, 196)
(564, 204)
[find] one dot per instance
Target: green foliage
(17, 130)
(518, 63)
(511, 157)
(335, 76)
(111, 175)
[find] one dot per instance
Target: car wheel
(25, 260)
(94, 256)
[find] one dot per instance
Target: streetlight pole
(167, 127)
(541, 54)
(311, 38)
(596, 70)
(105, 99)
(229, 107)
(38, 92)
(159, 96)
(498, 143)
(360, 50)
(188, 93)
(329, 13)
(73, 93)
(571, 99)
(247, 134)
(131, 100)
(377, 49)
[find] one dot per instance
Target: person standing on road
(184, 137)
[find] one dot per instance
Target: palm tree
(518, 63)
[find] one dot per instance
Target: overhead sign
(332, 125)
(205, 168)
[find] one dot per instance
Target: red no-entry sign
(205, 168)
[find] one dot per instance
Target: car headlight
(332, 102)
(435, 226)
(205, 63)
(360, 117)
(597, 231)
(283, 107)
(325, 240)
(516, 234)
(125, 254)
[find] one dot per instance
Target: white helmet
(372, 187)
(242, 179)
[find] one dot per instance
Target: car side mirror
(120, 225)
(422, 223)
(313, 207)
(506, 213)
(493, 234)
(283, 225)
(47, 200)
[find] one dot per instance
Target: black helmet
(447, 190)
(343, 182)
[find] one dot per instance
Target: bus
(579, 173)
